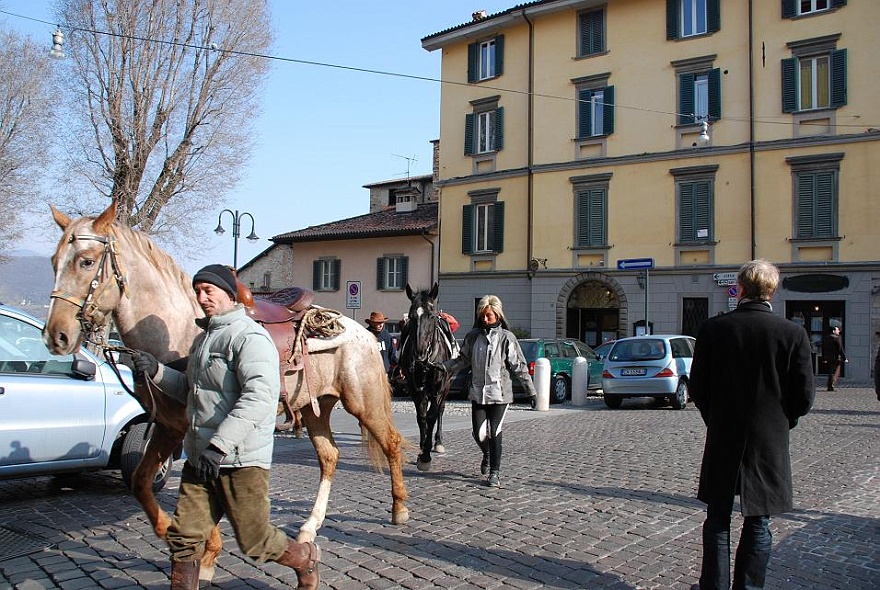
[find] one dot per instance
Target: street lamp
(236, 231)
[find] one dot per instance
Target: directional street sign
(635, 263)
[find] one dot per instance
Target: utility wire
(213, 47)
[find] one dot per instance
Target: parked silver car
(657, 366)
(64, 414)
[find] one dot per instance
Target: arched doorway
(593, 313)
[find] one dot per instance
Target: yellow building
(604, 161)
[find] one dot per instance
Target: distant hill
(26, 283)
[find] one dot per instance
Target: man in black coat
(832, 351)
(751, 379)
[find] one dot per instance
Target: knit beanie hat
(219, 276)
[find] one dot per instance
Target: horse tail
(374, 447)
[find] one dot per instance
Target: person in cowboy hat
(376, 325)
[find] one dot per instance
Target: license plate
(632, 372)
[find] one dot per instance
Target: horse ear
(435, 290)
(409, 291)
(105, 219)
(60, 218)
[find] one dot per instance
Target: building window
(595, 112)
(482, 226)
(695, 203)
(267, 281)
(486, 59)
(793, 8)
(391, 273)
(815, 76)
(699, 96)
(687, 18)
(325, 274)
(591, 32)
(592, 212)
(484, 128)
(816, 206)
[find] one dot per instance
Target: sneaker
(484, 464)
(493, 481)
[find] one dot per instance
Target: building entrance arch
(592, 307)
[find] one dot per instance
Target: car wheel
(133, 451)
(613, 401)
(679, 399)
(560, 389)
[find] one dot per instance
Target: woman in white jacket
(494, 355)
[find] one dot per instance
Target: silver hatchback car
(657, 366)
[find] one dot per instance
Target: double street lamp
(236, 231)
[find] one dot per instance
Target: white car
(657, 366)
(64, 414)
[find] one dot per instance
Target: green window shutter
(789, 85)
(473, 65)
(499, 55)
(591, 218)
(316, 275)
(715, 94)
(469, 120)
(337, 268)
(838, 78)
(467, 229)
(404, 270)
(608, 110)
(380, 273)
(806, 191)
(686, 99)
(713, 15)
(702, 210)
(686, 207)
(499, 129)
(824, 207)
(672, 19)
(789, 8)
(498, 234)
(585, 125)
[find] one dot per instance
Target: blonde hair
(494, 303)
(759, 279)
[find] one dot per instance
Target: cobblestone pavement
(590, 498)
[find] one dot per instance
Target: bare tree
(164, 95)
(26, 113)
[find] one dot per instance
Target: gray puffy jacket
(493, 357)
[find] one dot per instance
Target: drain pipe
(530, 191)
(752, 135)
(424, 235)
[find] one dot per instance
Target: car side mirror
(84, 369)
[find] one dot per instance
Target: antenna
(409, 161)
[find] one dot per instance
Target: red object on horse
(450, 319)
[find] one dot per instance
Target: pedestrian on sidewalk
(494, 355)
(376, 326)
(751, 379)
(231, 389)
(834, 355)
(877, 374)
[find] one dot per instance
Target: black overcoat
(751, 379)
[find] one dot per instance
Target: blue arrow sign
(634, 263)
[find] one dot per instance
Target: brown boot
(303, 558)
(185, 575)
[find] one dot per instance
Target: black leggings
(487, 420)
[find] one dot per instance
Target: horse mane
(164, 264)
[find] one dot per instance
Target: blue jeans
(752, 554)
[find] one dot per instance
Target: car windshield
(647, 349)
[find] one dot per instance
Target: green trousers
(242, 495)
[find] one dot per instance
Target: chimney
(479, 15)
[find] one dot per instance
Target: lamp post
(236, 231)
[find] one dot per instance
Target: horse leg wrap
(303, 558)
(185, 575)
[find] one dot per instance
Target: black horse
(426, 341)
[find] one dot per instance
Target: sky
(324, 132)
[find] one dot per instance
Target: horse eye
(86, 263)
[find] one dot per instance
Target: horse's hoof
(400, 517)
(439, 448)
(206, 574)
(298, 433)
(423, 465)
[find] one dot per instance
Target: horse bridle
(88, 305)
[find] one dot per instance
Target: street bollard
(542, 384)
(579, 380)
